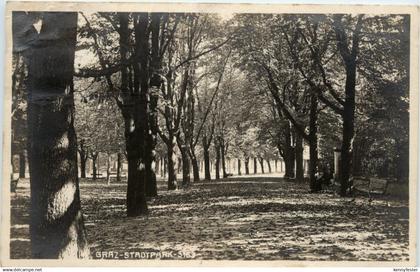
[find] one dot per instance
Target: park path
(243, 218)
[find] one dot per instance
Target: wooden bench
(376, 186)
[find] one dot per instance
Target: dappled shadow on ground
(245, 218)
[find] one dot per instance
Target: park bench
(371, 186)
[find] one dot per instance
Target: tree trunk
(151, 185)
(275, 165)
(289, 154)
(136, 187)
(119, 167)
(83, 161)
(172, 183)
(206, 163)
(299, 158)
(217, 163)
(313, 144)
(223, 154)
(56, 224)
(261, 164)
(349, 57)
(239, 167)
(255, 165)
(135, 113)
(194, 162)
(151, 85)
(165, 167)
(269, 166)
(186, 180)
(22, 164)
(94, 169)
(108, 169)
(247, 165)
(178, 165)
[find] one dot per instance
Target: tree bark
(152, 113)
(56, 223)
(172, 183)
(134, 111)
(94, 168)
(119, 167)
(186, 180)
(313, 144)
(269, 166)
(83, 160)
(349, 56)
(223, 151)
(194, 162)
(255, 165)
(206, 161)
(239, 167)
(217, 163)
(136, 187)
(289, 154)
(299, 158)
(165, 167)
(108, 169)
(261, 164)
(247, 165)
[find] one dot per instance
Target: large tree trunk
(313, 144)
(151, 185)
(194, 162)
(152, 114)
(299, 157)
(289, 154)
(172, 184)
(136, 187)
(247, 165)
(186, 180)
(239, 167)
(22, 164)
(134, 110)
(56, 224)
(349, 57)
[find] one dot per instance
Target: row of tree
(252, 86)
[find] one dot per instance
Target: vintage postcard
(151, 134)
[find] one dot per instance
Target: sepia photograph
(210, 133)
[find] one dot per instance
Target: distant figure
(324, 175)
